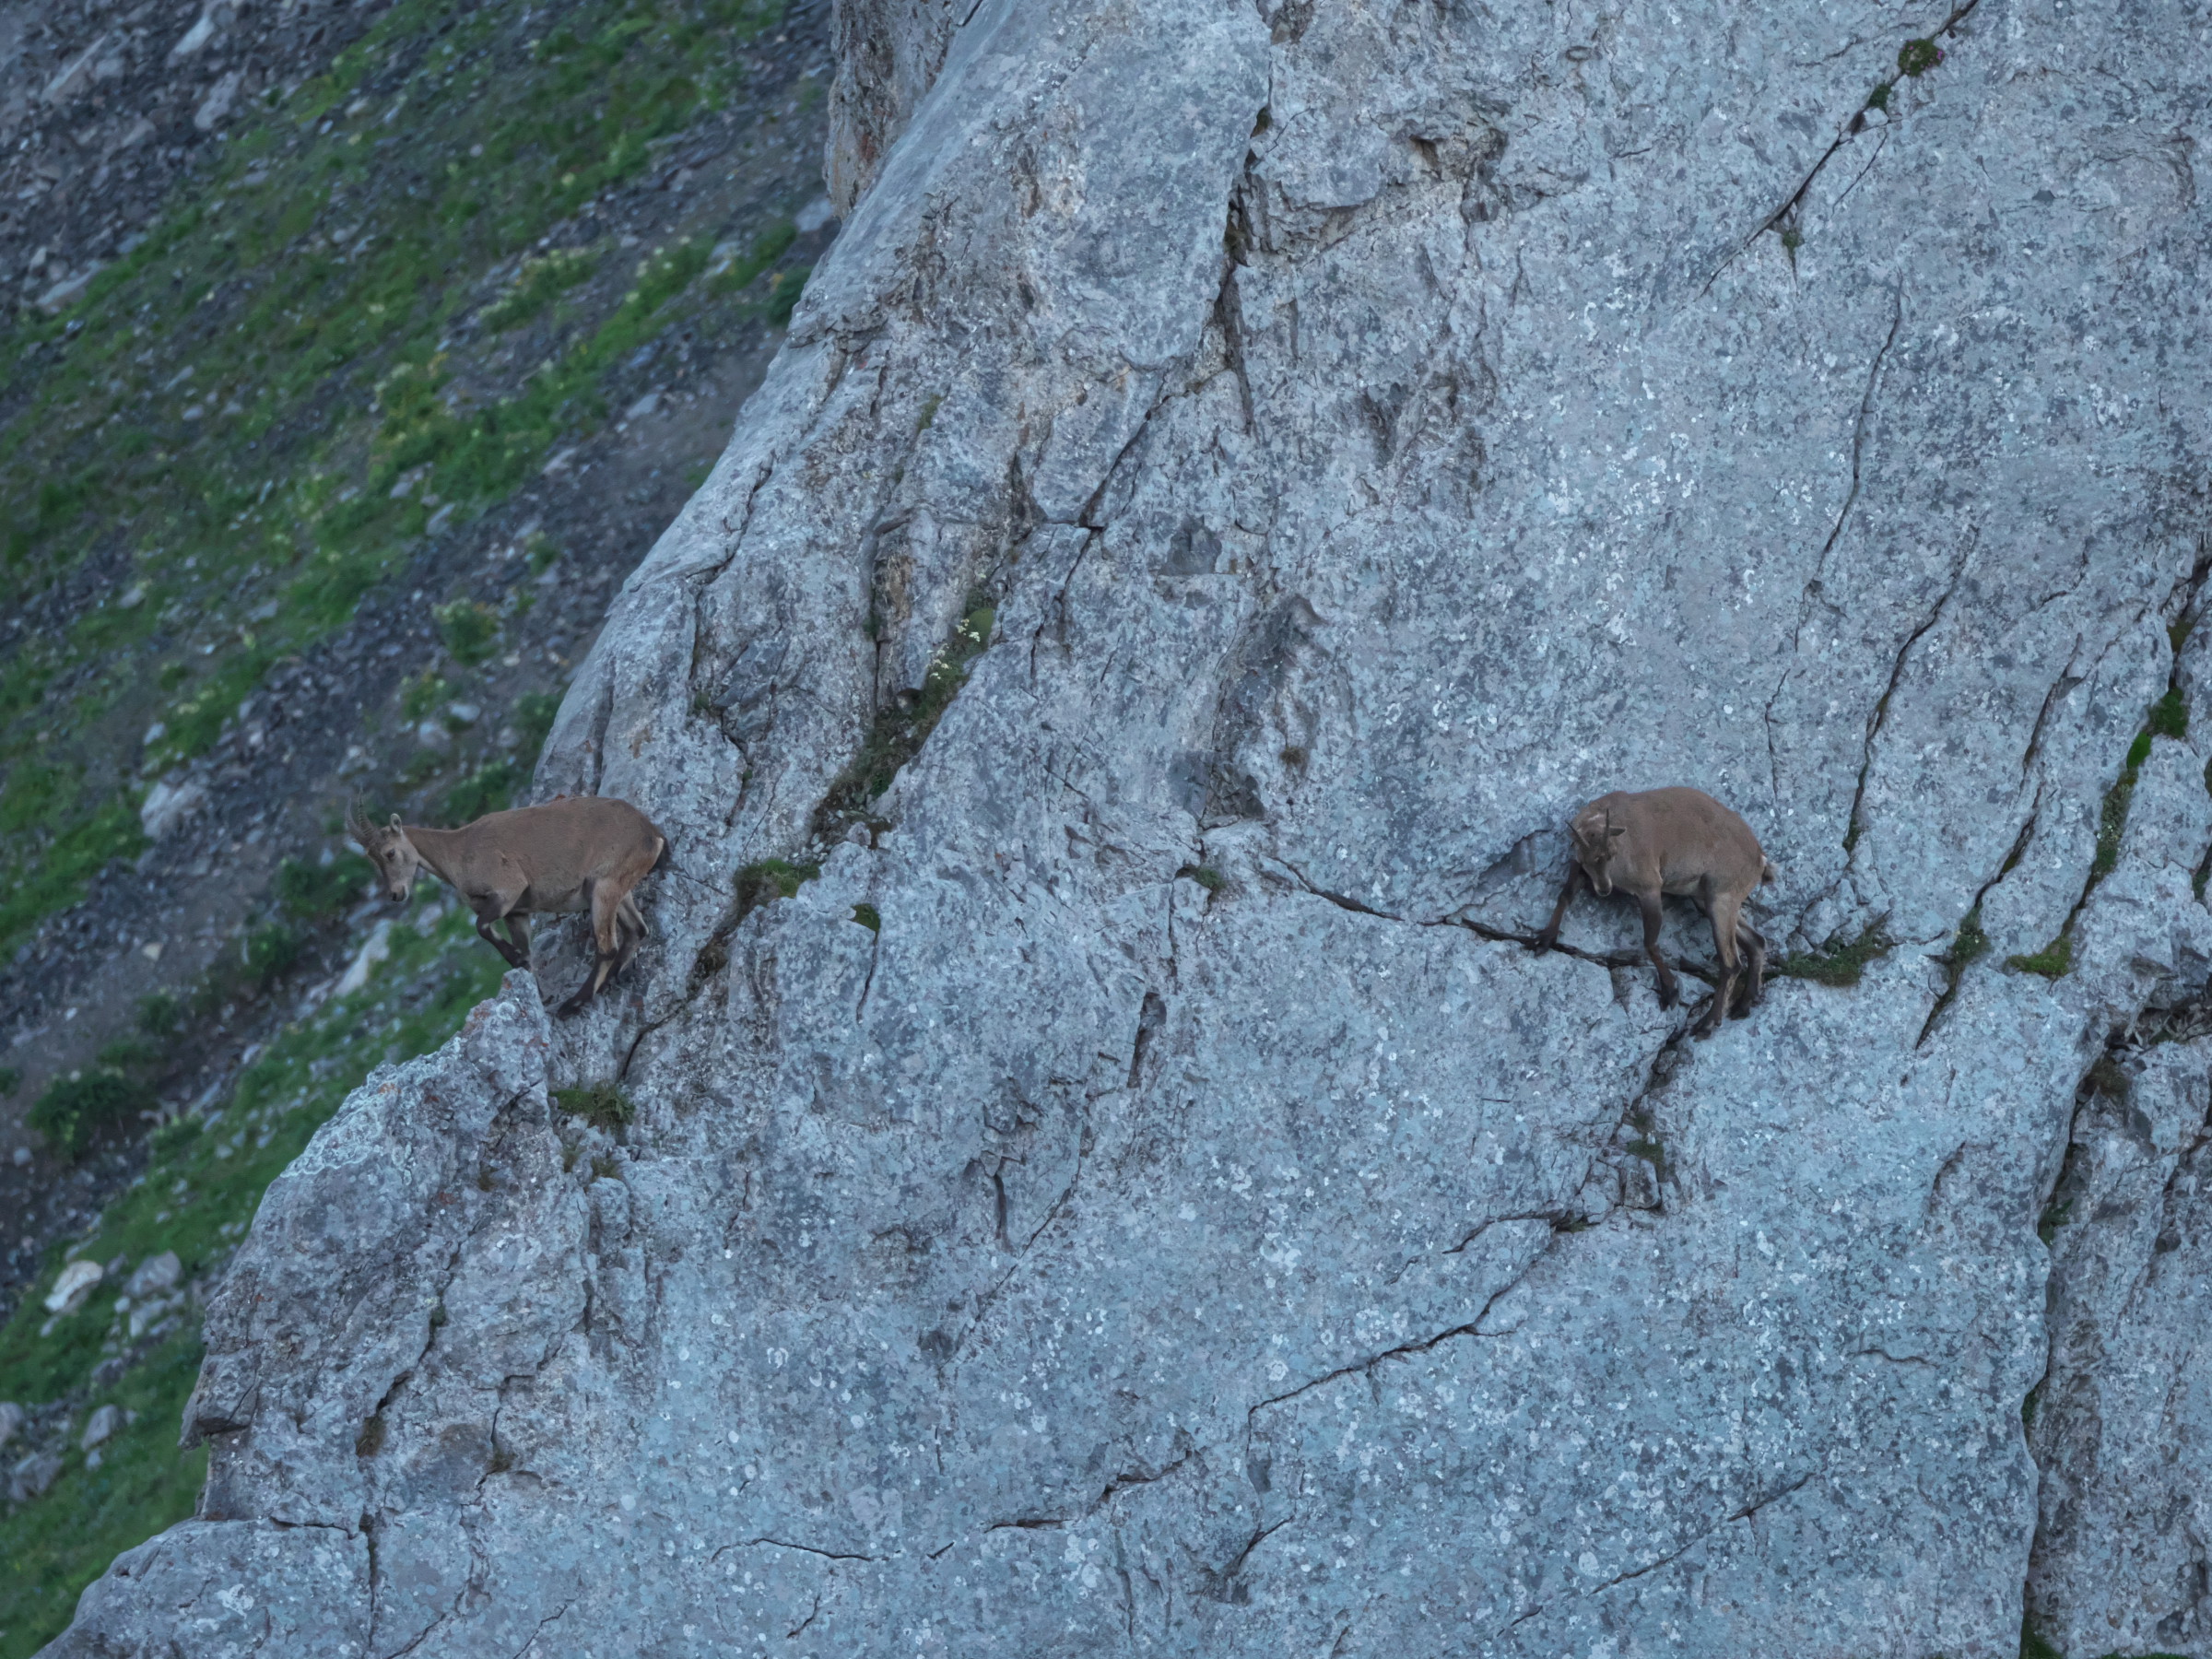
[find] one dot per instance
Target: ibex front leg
(491, 908)
(1550, 936)
(1669, 992)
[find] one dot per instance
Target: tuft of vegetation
(489, 789)
(1204, 876)
(784, 289)
(1915, 58)
(537, 285)
(72, 1112)
(269, 949)
(1839, 962)
(868, 917)
(129, 1052)
(421, 693)
(160, 1013)
(534, 712)
(468, 628)
(2168, 717)
(10, 1080)
(599, 1103)
(770, 880)
(2052, 961)
(313, 892)
(742, 270)
(1879, 98)
(898, 733)
(1970, 944)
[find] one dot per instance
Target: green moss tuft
(1970, 944)
(269, 950)
(868, 917)
(469, 630)
(533, 714)
(768, 880)
(316, 892)
(158, 1015)
(898, 733)
(1210, 879)
(537, 285)
(600, 1103)
(74, 1109)
(2052, 961)
(2169, 715)
(489, 789)
(1839, 962)
(1917, 57)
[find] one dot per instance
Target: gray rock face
(1143, 1195)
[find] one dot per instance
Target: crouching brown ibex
(575, 854)
(1681, 842)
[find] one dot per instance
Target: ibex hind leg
(603, 969)
(1725, 925)
(605, 905)
(632, 929)
(1748, 941)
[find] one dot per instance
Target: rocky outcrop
(889, 54)
(1240, 479)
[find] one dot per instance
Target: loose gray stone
(153, 1276)
(33, 1476)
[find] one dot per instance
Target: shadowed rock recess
(1142, 1196)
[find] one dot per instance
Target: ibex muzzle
(1680, 842)
(581, 853)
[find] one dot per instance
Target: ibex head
(389, 850)
(1596, 838)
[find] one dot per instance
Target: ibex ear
(395, 820)
(1615, 833)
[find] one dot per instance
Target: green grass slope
(358, 330)
(196, 1197)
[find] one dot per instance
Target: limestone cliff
(1240, 479)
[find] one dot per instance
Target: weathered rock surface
(1143, 1196)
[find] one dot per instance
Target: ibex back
(575, 854)
(1681, 842)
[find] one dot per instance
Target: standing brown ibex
(1681, 842)
(575, 854)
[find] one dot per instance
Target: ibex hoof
(1669, 997)
(1543, 942)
